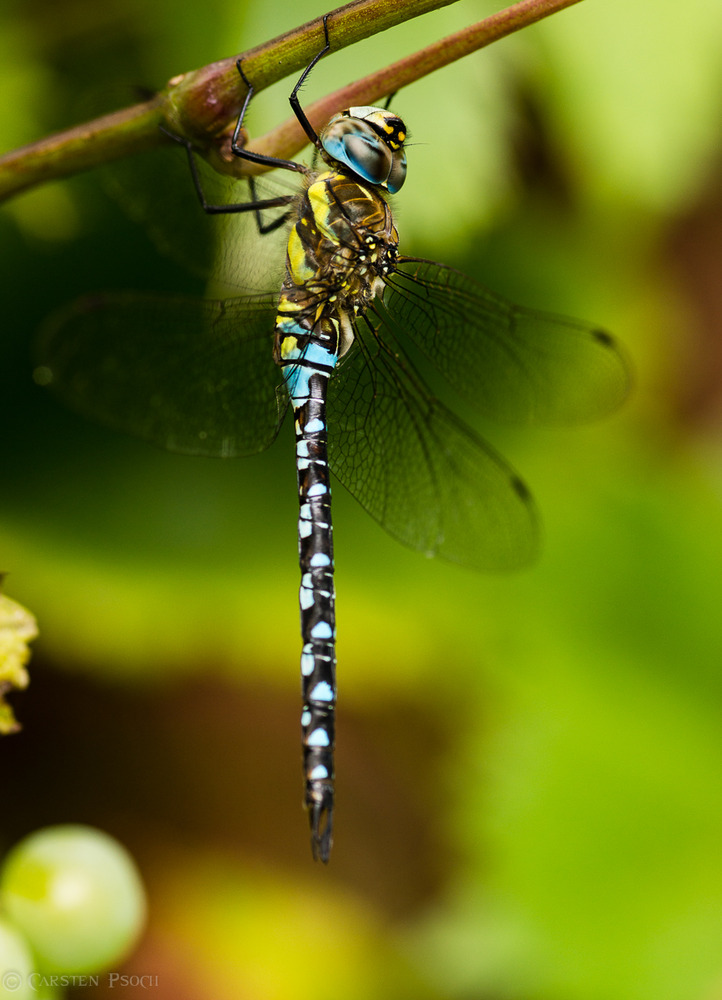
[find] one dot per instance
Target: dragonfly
(339, 344)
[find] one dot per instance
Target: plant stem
(287, 139)
(201, 104)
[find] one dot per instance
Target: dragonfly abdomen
(340, 246)
(306, 370)
(318, 621)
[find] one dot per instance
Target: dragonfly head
(369, 142)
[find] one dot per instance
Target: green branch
(204, 104)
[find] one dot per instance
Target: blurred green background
(529, 790)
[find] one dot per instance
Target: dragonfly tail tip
(321, 819)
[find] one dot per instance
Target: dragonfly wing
(513, 364)
(425, 476)
(193, 376)
(155, 190)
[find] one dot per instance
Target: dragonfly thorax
(340, 250)
(344, 241)
(368, 142)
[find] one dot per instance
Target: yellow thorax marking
(298, 264)
(289, 344)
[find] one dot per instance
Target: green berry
(16, 964)
(76, 895)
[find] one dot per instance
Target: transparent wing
(193, 376)
(513, 364)
(156, 191)
(425, 476)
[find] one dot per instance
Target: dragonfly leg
(293, 99)
(242, 206)
(248, 154)
(273, 161)
(259, 204)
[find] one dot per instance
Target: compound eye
(397, 174)
(362, 140)
(369, 156)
